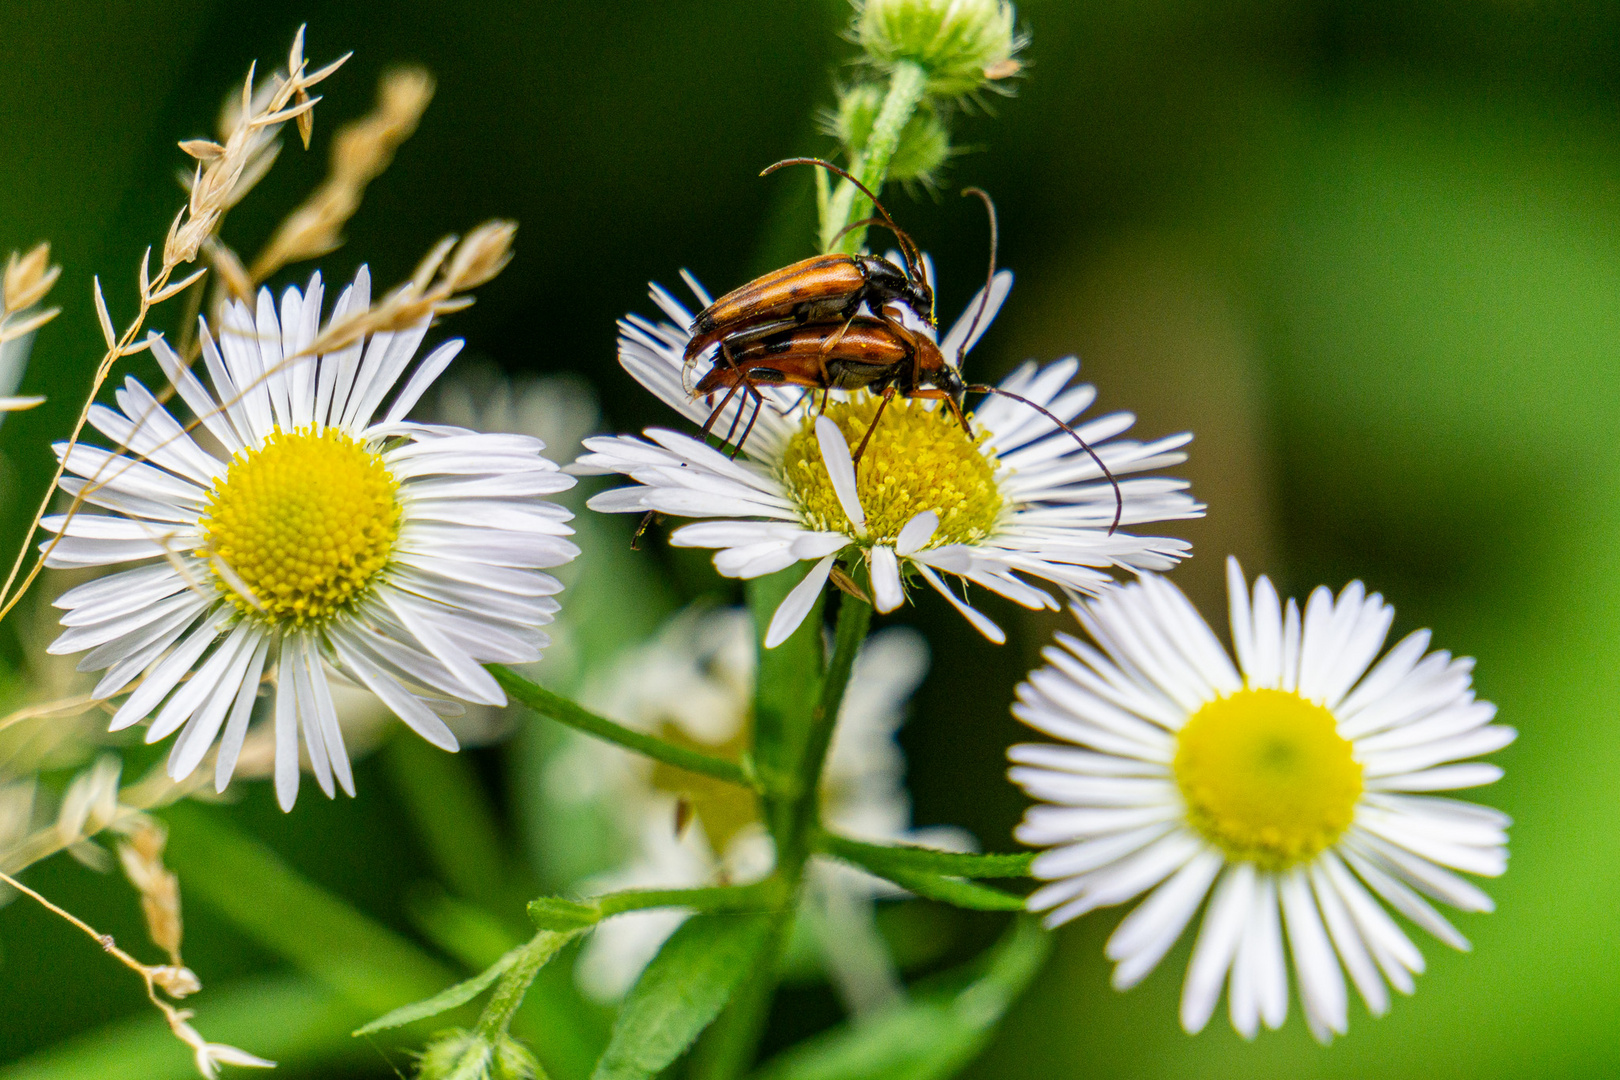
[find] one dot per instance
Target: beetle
(876, 354)
(832, 286)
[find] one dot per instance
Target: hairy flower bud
(962, 44)
(458, 1054)
(925, 142)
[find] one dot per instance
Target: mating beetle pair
(801, 326)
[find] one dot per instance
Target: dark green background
(1368, 252)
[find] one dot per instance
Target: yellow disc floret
(918, 459)
(1267, 777)
(302, 525)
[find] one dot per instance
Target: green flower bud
(465, 1055)
(925, 142)
(963, 45)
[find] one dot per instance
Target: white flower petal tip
(797, 604)
(887, 591)
(917, 532)
(1038, 508)
(450, 535)
(1145, 796)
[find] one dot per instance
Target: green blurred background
(1368, 252)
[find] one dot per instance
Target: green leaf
(881, 859)
(555, 913)
(681, 992)
(444, 1000)
(291, 1019)
(955, 891)
(267, 900)
(453, 818)
(937, 1032)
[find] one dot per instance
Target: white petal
(797, 604)
(887, 592)
(840, 470)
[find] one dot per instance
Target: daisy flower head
(1017, 497)
(302, 527)
(1293, 789)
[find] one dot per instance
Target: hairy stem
(514, 984)
(906, 85)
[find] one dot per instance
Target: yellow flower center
(1267, 777)
(303, 524)
(918, 459)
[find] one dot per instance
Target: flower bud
(962, 44)
(458, 1054)
(924, 145)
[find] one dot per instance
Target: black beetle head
(892, 283)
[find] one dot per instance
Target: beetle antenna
(908, 248)
(989, 280)
(1119, 496)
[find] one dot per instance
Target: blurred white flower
(1289, 785)
(694, 683)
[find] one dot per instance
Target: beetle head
(891, 281)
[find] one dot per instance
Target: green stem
(729, 1050)
(563, 711)
(907, 82)
(514, 984)
(854, 618)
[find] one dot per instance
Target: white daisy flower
(1019, 497)
(1284, 788)
(318, 535)
(694, 684)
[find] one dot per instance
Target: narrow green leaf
(267, 900)
(934, 1034)
(453, 817)
(563, 711)
(681, 993)
(880, 859)
(955, 891)
(291, 1019)
(444, 1000)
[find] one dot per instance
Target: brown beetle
(862, 353)
(818, 288)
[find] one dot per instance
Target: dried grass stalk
(361, 152)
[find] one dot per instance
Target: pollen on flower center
(304, 521)
(918, 459)
(1267, 777)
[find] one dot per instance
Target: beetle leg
(950, 403)
(828, 346)
(759, 403)
(883, 403)
(720, 408)
(647, 522)
(742, 403)
(825, 393)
